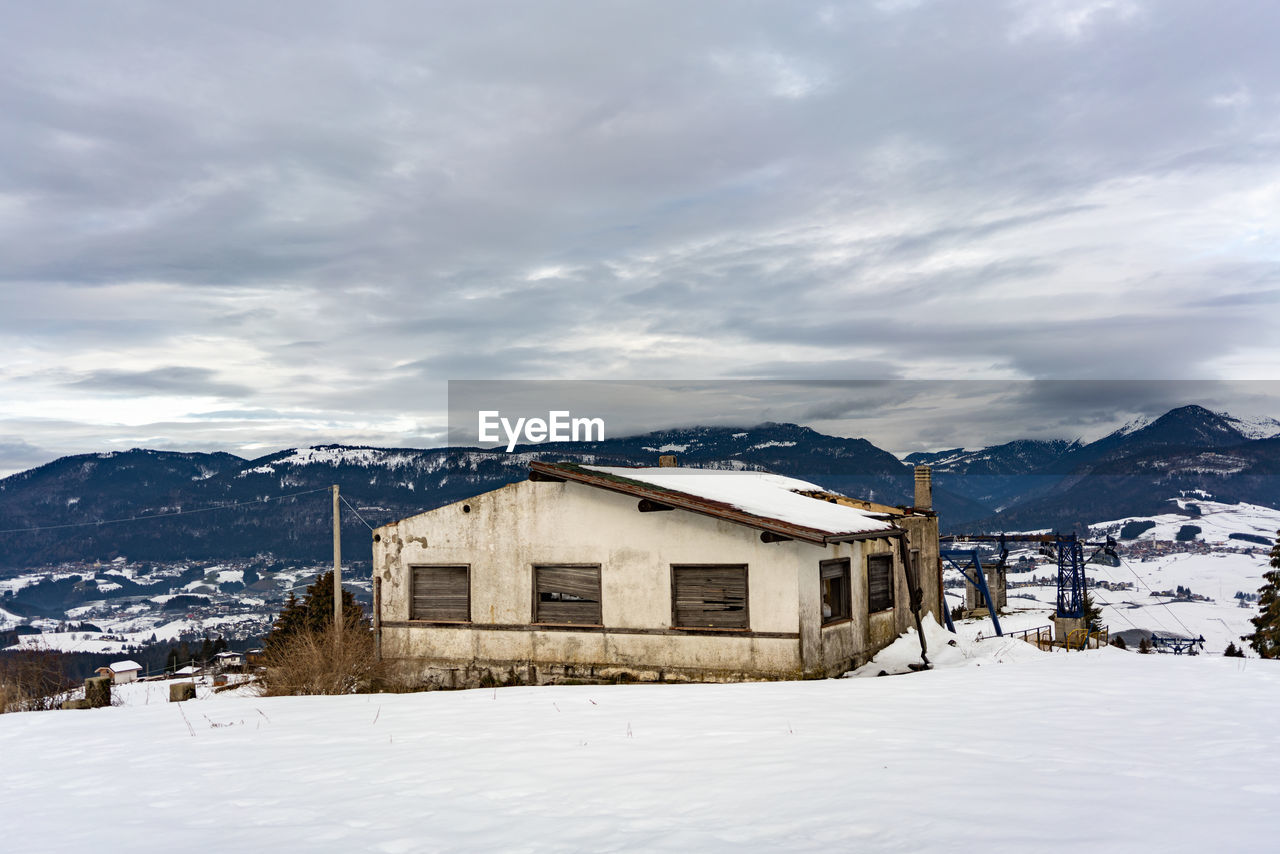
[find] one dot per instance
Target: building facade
(595, 574)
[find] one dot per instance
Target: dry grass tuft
(32, 680)
(310, 663)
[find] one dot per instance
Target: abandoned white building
(121, 672)
(677, 574)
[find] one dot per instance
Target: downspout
(915, 595)
(377, 617)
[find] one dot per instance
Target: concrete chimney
(924, 488)
(667, 461)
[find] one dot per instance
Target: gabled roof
(124, 666)
(770, 502)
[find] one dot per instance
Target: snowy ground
(1104, 750)
(120, 638)
(1217, 522)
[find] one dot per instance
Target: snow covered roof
(124, 666)
(770, 502)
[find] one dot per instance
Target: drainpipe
(377, 616)
(914, 594)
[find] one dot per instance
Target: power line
(1190, 634)
(164, 515)
(344, 500)
(1094, 595)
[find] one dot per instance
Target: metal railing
(1042, 638)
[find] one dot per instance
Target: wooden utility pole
(337, 573)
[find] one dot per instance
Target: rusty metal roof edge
(706, 507)
(866, 535)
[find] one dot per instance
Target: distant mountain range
(140, 500)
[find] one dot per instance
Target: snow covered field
(1105, 750)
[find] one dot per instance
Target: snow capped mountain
(1255, 427)
(269, 504)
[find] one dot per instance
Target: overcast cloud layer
(246, 226)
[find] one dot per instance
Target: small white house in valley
(121, 672)
(229, 660)
(676, 574)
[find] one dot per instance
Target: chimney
(667, 461)
(924, 488)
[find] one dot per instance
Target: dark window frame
(711, 624)
(561, 620)
(420, 616)
(835, 588)
(880, 597)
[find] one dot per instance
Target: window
(836, 598)
(440, 593)
(567, 594)
(709, 596)
(879, 582)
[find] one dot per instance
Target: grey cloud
(165, 380)
(17, 454)
(359, 197)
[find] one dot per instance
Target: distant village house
(121, 672)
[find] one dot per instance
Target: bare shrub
(309, 662)
(32, 680)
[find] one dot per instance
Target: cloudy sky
(244, 226)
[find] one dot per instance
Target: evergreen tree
(1265, 639)
(206, 650)
(171, 660)
(1233, 651)
(1092, 613)
(1118, 642)
(1144, 647)
(312, 613)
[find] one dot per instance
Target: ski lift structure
(1168, 642)
(1066, 549)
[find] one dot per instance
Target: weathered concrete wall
(997, 586)
(182, 691)
(922, 535)
(503, 534)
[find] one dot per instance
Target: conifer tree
(1265, 639)
(1092, 613)
(312, 613)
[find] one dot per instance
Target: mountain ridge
(249, 506)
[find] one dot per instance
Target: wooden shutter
(835, 568)
(879, 582)
(567, 594)
(441, 593)
(710, 597)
